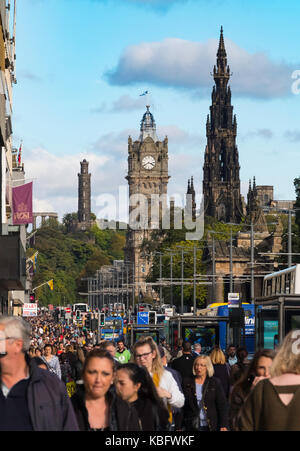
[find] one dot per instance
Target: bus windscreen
(206, 336)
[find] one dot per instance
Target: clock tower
(147, 176)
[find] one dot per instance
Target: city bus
(83, 308)
(113, 328)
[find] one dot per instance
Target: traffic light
(88, 321)
(32, 297)
(152, 317)
(78, 315)
(102, 319)
(94, 324)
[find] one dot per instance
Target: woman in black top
(134, 385)
(221, 369)
(205, 407)
(96, 405)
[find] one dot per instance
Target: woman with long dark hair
(96, 405)
(134, 385)
(258, 369)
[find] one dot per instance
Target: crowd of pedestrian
(59, 377)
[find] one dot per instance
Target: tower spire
(222, 200)
(189, 187)
(148, 126)
(221, 50)
(222, 69)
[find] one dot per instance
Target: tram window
(273, 290)
(270, 331)
(287, 283)
(295, 322)
(282, 283)
(154, 335)
(292, 282)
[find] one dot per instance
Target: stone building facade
(147, 176)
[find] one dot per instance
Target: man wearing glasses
(29, 395)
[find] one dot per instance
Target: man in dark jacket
(184, 364)
(31, 398)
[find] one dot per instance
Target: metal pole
(252, 264)
(122, 281)
(214, 269)
(171, 277)
(194, 280)
(113, 286)
(118, 292)
(182, 274)
(89, 289)
(133, 286)
(231, 268)
(290, 240)
(102, 297)
(127, 294)
(160, 276)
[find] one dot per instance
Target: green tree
(67, 257)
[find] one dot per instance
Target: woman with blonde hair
(221, 369)
(206, 407)
(274, 403)
(146, 354)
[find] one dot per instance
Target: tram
(286, 281)
(278, 310)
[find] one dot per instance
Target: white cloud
(121, 105)
(55, 177)
(179, 63)
(264, 133)
(55, 180)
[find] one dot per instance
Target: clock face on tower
(148, 162)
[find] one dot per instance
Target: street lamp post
(194, 280)
(290, 239)
(252, 263)
(231, 263)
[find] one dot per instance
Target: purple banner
(22, 204)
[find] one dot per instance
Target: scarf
(156, 381)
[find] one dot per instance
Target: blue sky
(81, 65)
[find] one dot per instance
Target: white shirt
(167, 382)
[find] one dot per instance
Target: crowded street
(154, 388)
